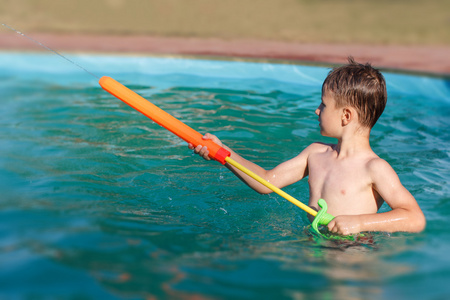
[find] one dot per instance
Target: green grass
(399, 22)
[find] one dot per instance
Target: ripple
(101, 199)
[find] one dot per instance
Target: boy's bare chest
(328, 173)
(330, 168)
(340, 181)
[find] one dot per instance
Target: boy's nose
(317, 111)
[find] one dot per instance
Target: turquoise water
(99, 202)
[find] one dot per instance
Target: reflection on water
(108, 205)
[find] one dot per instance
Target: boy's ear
(348, 115)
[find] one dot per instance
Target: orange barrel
(162, 118)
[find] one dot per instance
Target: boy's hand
(345, 225)
(203, 150)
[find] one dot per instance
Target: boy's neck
(352, 143)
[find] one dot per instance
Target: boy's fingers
(198, 148)
(207, 136)
(332, 227)
(212, 137)
(202, 151)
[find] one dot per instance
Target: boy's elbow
(264, 192)
(422, 224)
(419, 223)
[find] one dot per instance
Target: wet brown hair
(360, 86)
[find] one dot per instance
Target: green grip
(322, 217)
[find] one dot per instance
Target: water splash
(49, 49)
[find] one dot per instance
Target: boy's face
(330, 117)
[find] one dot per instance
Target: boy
(348, 175)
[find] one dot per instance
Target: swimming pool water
(99, 202)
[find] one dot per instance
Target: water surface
(99, 202)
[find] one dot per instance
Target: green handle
(322, 217)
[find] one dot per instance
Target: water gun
(192, 136)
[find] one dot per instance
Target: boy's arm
(405, 215)
(282, 175)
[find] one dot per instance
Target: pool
(99, 202)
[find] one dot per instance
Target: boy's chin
(324, 134)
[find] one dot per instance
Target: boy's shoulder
(319, 147)
(313, 149)
(379, 167)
